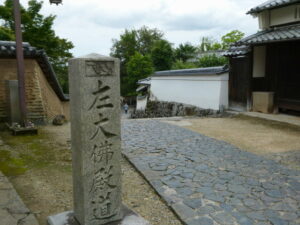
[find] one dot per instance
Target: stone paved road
(207, 181)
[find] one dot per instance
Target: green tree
(130, 42)
(231, 38)
(6, 34)
(162, 55)
(212, 60)
(179, 64)
(138, 67)
(209, 44)
(185, 52)
(37, 30)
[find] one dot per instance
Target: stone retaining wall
(171, 109)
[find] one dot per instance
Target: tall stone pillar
(96, 144)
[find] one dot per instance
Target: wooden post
(20, 62)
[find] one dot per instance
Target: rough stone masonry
(96, 143)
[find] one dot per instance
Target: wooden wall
(240, 82)
(282, 74)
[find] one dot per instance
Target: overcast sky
(92, 24)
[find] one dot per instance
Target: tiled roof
(146, 81)
(144, 84)
(237, 50)
(8, 50)
(286, 33)
(192, 72)
(270, 5)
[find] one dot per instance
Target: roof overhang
(273, 35)
(193, 72)
(271, 4)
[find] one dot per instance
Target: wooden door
(239, 83)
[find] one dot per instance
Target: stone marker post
(96, 143)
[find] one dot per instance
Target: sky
(92, 24)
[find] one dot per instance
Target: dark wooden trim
(288, 104)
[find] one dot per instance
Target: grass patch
(30, 152)
(11, 166)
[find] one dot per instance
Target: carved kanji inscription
(95, 69)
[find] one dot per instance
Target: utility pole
(20, 59)
(20, 63)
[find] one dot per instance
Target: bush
(212, 60)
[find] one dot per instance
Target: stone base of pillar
(67, 218)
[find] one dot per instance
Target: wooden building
(268, 61)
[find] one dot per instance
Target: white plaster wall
(141, 103)
(204, 91)
(274, 17)
(284, 15)
(259, 61)
(264, 19)
(224, 96)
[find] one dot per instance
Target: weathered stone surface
(200, 221)
(67, 218)
(59, 120)
(12, 209)
(7, 218)
(207, 181)
(95, 132)
(170, 109)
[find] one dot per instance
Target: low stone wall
(171, 109)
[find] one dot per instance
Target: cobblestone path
(207, 181)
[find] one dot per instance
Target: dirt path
(40, 169)
(273, 139)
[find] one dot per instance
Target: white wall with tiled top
(204, 91)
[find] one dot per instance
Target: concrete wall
(141, 102)
(42, 102)
(259, 61)
(204, 91)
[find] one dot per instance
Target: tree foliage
(133, 45)
(185, 52)
(209, 44)
(162, 55)
(231, 37)
(138, 67)
(212, 60)
(130, 42)
(179, 64)
(6, 34)
(37, 30)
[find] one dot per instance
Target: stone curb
(153, 187)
